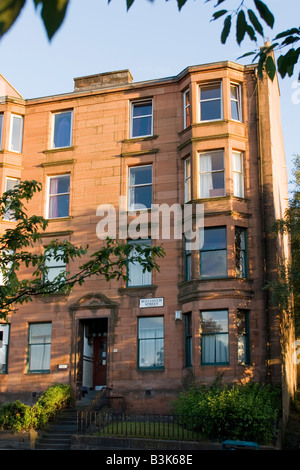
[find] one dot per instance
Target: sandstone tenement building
(210, 135)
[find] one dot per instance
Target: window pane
(62, 129)
(59, 206)
(10, 184)
(142, 109)
(210, 92)
(210, 110)
(212, 177)
(215, 321)
(40, 333)
(140, 195)
(39, 346)
(213, 264)
(140, 175)
(214, 238)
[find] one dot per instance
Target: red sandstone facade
(211, 136)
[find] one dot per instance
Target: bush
(16, 416)
(245, 412)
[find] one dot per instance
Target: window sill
(60, 219)
(59, 149)
(150, 369)
(139, 139)
(137, 290)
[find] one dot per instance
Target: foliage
(250, 22)
(287, 284)
(243, 412)
(21, 247)
(17, 416)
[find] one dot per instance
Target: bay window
(16, 133)
(213, 254)
(235, 101)
(214, 337)
(211, 102)
(238, 174)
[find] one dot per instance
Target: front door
(100, 361)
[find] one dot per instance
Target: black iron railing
(138, 425)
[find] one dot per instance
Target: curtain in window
(53, 206)
(136, 275)
(39, 347)
(151, 342)
(4, 335)
(206, 182)
(238, 184)
(215, 349)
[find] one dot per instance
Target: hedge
(243, 412)
(17, 416)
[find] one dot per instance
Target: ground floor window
(4, 337)
(214, 337)
(39, 347)
(151, 342)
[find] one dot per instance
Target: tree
(287, 285)
(23, 262)
(250, 22)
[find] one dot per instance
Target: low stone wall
(17, 441)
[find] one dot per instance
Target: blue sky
(152, 40)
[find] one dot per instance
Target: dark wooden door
(100, 360)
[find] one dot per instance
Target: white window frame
(238, 174)
(4, 343)
(145, 277)
(20, 140)
(138, 102)
(131, 206)
(187, 179)
(186, 106)
(207, 84)
(58, 194)
(65, 111)
(238, 101)
(211, 172)
(57, 264)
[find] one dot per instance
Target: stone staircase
(57, 434)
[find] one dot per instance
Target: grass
(149, 429)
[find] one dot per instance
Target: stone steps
(57, 434)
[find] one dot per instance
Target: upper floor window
(211, 102)
(1, 129)
(238, 174)
(236, 102)
(187, 262)
(4, 337)
(188, 339)
(16, 133)
(187, 180)
(137, 277)
(39, 347)
(141, 118)
(10, 184)
(212, 174)
(214, 337)
(62, 129)
(186, 109)
(140, 187)
(58, 196)
(55, 265)
(213, 254)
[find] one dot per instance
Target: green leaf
(226, 29)
(241, 26)
(253, 18)
(287, 62)
(251, 33)
(265, 13)
(180, 3)
(129, 3)
(9, 12)
(218, 14)
(270, 67)
(53, 13)
(288, 32)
